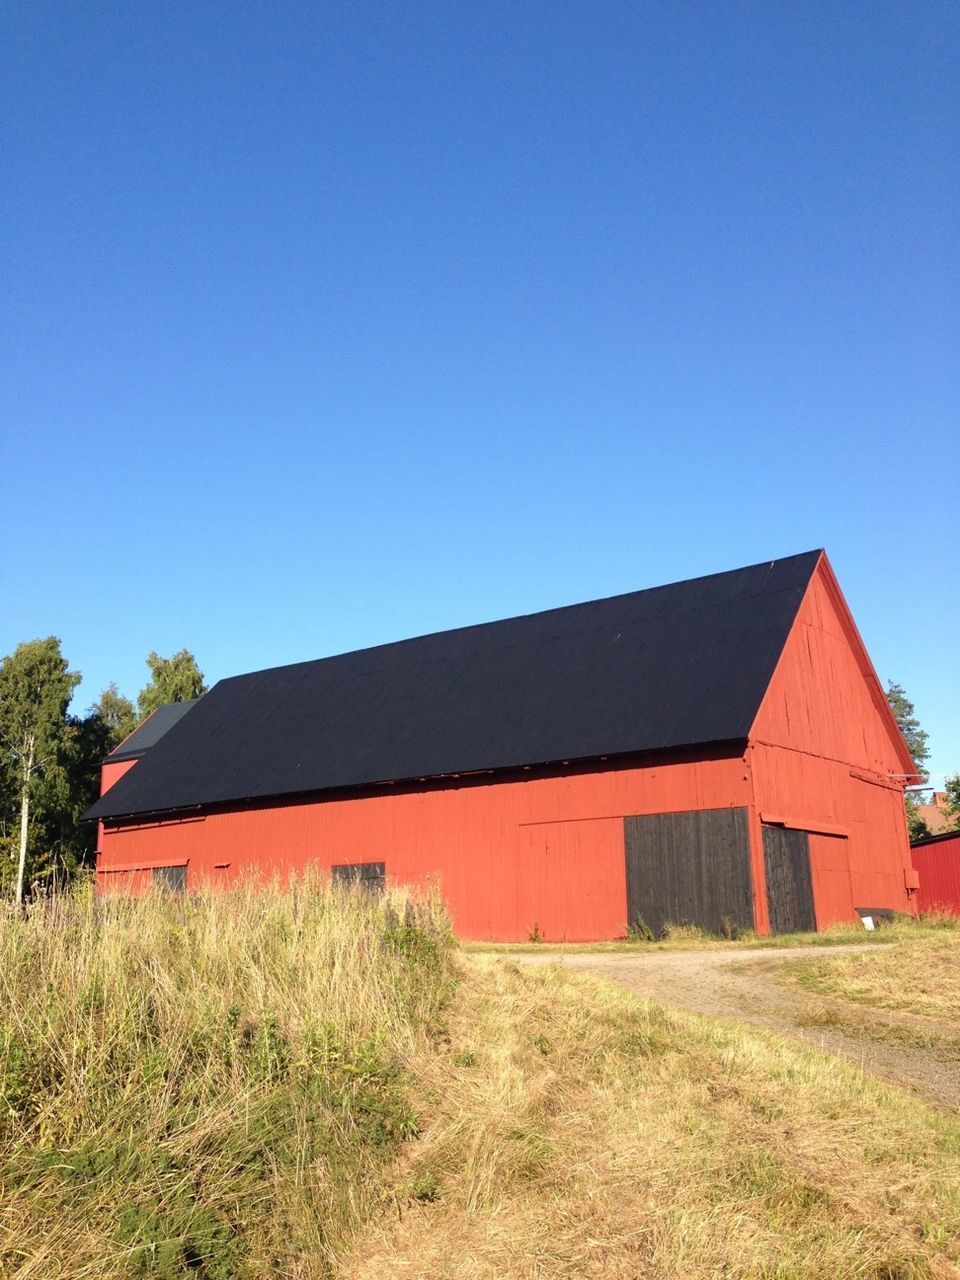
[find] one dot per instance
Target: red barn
(936, 860)
(717, 751)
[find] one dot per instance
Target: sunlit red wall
(545, 854)
(938, 869)
(824, 760)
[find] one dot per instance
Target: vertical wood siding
(824, 760)
(786, 860)
(507, 857)
(689, 868)
(938, 867)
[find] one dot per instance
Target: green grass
(690, 938)
(318, 1084)
(922, 977)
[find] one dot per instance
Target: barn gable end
(827, 758)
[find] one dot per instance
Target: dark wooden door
(689, 868)
(786, 857)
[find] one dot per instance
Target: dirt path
(743, 985)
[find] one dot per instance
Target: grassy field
(908, 995)
(920, 976)
(576, 1131)
(206, 1088)
(321, 1085)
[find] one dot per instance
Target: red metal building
(718, 752)
(936, 860)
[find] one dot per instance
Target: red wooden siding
(825, 757)
(112, 770)
(833, 896)
(507, 857)
(938, 868)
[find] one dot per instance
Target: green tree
(916, 826)
(176, 679)
(952, 789)
(913, 735)
(116, 714)
(36, 685)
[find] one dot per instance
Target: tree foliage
(176, 679)
(116, 715)
(36, 685)
(952, 789)
(916, 826)
(50, 760)
(906, 717)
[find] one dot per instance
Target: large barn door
(689, 868)
(786, 857)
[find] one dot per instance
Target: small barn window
(170, 879)
(370, 875)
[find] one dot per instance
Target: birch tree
(117, 715)
(35, 689)
(176, 679)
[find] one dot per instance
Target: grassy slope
(224, 1089)
(909, 994)
(206, 1088)
(921, 976)
(576, 1131)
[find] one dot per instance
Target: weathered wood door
(786, 857)
(689, 868)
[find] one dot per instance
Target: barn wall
(825, 759)
(112, 771)
(938, 868)
(546, 853)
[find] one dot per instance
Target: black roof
(669, 667)
(149, 733)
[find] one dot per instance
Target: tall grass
(206, 1086)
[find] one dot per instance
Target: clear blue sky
(327, 324)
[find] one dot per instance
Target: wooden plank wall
(508, 857)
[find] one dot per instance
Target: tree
(176, 679)
(116, 714)
(952, 788)
(35, 689)
(916, 826)
(913, 735)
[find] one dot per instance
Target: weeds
(207, 1086)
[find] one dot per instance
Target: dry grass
(921, 976)
(691, 938)
(908, 995)
(576, 1131)
(206, 1087)
(308, 1084)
